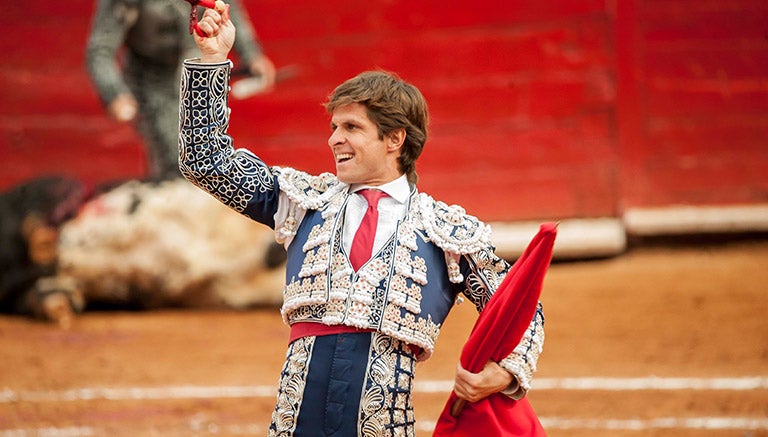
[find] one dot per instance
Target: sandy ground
(660, 341)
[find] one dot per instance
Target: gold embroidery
(293, 380)
(385, 406)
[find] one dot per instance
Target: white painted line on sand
(139, 393)
(623, 384)
(708, 423)
(699, 423)
(50, 431)
(651, 383)
(435, 386)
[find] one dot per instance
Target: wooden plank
(685, 137)
(91, 154)
(712, 181)
(455, 55)
(39, 92)
(731, 59)
(711, 20)
(63, 13)
(630, 104)
(704, 97)
(47, 45)
(277, 19)
(524, 195)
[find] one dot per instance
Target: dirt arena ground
(660, 341)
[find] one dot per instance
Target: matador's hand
(217, 25)
(475, 386)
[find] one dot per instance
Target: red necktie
(362, 244)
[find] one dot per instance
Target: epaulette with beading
(451, 228)
(448, 226)
(306, 190)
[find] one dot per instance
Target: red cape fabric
(494, 416)
(497, 331)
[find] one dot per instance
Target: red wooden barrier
(538, 109)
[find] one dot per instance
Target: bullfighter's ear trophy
(193, 26)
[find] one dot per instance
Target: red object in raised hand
(210, 4)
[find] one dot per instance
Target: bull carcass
(143, 245)
(169, 244)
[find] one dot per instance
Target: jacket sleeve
(207, 157)
(109, 25)
(484, 272)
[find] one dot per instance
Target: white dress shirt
(391, 209)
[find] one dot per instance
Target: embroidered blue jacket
(407, 288)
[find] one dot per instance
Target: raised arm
(207, 156)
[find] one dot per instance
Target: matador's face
(361, 155)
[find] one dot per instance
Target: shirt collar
(398, 189)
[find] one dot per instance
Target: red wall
(560, 109)
(694, 113)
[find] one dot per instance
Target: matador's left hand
(475, 386)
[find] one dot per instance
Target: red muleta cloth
(497, 331)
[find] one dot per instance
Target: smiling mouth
(343, 157)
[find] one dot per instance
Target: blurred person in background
(360, 320)
(134, 52)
